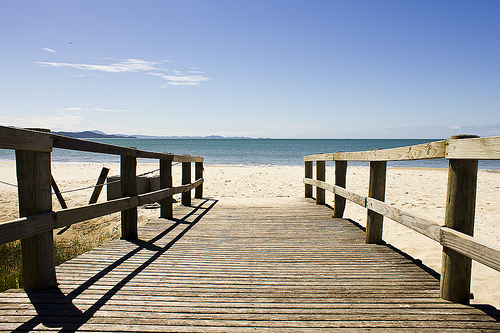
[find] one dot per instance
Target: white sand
(420, 191)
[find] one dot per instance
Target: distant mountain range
(102, 135)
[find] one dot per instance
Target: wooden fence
(38, 220)
(459, 247)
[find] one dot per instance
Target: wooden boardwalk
(279, 265)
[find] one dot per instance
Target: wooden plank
(21, 139)
(187, 158)
(65, 142)
(74, 215)
(351, 196)
(243, 266)
(35, 224)
(429, 150)
(26, 227)
(478, 250)
(422, 225)
(320, 184)
(478, 148)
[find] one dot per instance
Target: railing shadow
(56, 310)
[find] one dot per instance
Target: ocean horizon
(251, 152)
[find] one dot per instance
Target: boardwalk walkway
(278, 265)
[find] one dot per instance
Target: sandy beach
(420, 191)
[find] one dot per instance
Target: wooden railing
(38, 220)
(459, 247)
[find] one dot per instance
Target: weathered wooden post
(320, 175)
(340, 180)
(166, 208)
(376, 190)
(186, 179)
(308, 174)
(35, 197)
(198, 174)
(128, 181)
(460, 211)
(99, 185)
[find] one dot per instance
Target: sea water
(248, 152)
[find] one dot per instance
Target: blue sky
(278, 69)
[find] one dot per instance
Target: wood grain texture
(376, 190)
(187, 158)
(35, 197)
(418, 152)
(480, 148)
(35, 224)
(20, 139)
(282, 265)
(478, 250)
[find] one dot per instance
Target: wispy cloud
(128, 65)
(291, 127)
(77, 109)
(49, 50)
(60, 122)
(173, 77)
(183, 79)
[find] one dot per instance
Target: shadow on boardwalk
(71, 318)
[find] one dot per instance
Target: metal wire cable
(93, 186)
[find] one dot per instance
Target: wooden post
(128, 181)
(166, 208)
(99, 185)
(340, 180)
(58, 193)
(460, 211)
(320, 175)
(198, 174)
(186, 179)
(35, 197)
(308, 174)
(376, 190)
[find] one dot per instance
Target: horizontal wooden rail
(21, 139)
(480, 251)
(424, 226)
(32, 140)
(32, 225)
(417, 152)
(474, 148)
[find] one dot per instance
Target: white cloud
(177, 78)
(182, 79)
(104, 110)
(49, 50)
(54, 123)
(77, 109)
(128, 65)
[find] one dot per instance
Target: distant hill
(102, 135)
(92, 135)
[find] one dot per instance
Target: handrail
(474, 148)
(460, 210)
(37, 221)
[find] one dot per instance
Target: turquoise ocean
(248, 152)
